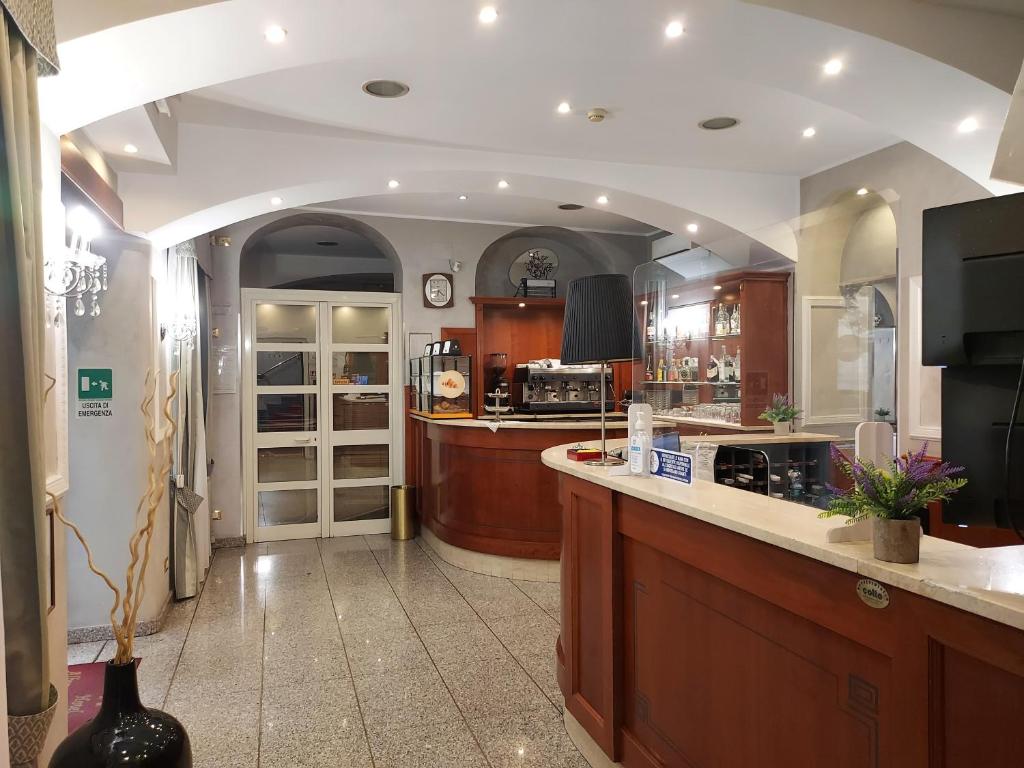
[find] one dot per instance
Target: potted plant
(892, 498)
(883, 414)
(781, 413)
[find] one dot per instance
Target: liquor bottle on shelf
(712, 372)
(684, 370)
(737, 376)
(734, 320)
(652, 332)
(649, 373)
(726, 372)
(721, 321)
(661, 370)
(673, 371)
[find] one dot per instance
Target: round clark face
(438, 290)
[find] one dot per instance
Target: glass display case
(799, 472)
(442, 386)
(715, 347)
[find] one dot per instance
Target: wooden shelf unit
(763, 339)
(530, 332)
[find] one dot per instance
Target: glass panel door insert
(321, 427)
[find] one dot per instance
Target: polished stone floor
(358, 652)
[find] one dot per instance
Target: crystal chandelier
(76, 272)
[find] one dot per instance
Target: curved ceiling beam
(225, 175)
(891, 88)
(978, 40)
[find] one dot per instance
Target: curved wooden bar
(707, 626)
(488, 491)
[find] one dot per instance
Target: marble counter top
(985, 582)
(513, 423)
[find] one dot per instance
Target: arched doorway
(318, 251)
(321, 408)
(846, 323)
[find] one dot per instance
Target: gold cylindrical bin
(403, 513)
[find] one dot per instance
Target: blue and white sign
(672, 465)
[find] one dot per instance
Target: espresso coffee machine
(546, 386)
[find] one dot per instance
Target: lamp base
(607, 461)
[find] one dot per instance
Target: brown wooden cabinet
(686, 645)
(679, 323)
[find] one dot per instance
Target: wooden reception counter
(706, 626)
(482, 487)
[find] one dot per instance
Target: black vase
(125, 733)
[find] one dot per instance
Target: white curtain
(190, 450)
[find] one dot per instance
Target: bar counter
(703, 625)
(481, 485)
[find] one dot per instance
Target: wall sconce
(76, 272)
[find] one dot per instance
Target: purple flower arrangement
(899, 492)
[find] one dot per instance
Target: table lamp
(600, 327)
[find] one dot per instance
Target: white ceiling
(495, 208)
(291, 120)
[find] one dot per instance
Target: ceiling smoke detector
(570, 207)
(597, 114)
(718, 123)
(385, 89)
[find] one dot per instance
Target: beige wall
(910, 180)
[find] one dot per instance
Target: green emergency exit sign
(95, 383)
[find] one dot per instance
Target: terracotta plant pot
(896, 541)
(783, 427)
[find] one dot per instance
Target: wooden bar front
(687, 645)
(489, 492)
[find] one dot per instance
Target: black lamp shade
(599, 320)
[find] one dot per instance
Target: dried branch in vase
(141, 542)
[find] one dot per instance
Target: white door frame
(325, 388)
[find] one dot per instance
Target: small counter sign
(95, 393)
(672, 465)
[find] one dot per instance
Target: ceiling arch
(734, 55)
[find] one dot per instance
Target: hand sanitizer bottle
(641, 421)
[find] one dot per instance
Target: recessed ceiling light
(275, 34)
(276, 200)
(675, 295)
(522, 305)
(488, 14)
(131, 149)
(602, 200)
(833, 67)
(968, 125)
(385, 89)
(570, 207)
(502, 184)
(674, 29)
(393, 184)
(718, 123)
(564, 108)
(463, 197)
(862, 191)
(692, 227)
(717, 287)
(327, 243)
(809, 132)
(643, 302)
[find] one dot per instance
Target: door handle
(305, 440)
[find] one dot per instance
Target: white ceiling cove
(259, 121)
(496, 208)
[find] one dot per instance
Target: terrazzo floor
(358, 652)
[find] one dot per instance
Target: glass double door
(320, 412)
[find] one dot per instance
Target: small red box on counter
(582, 454)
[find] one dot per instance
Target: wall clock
(438, 291)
